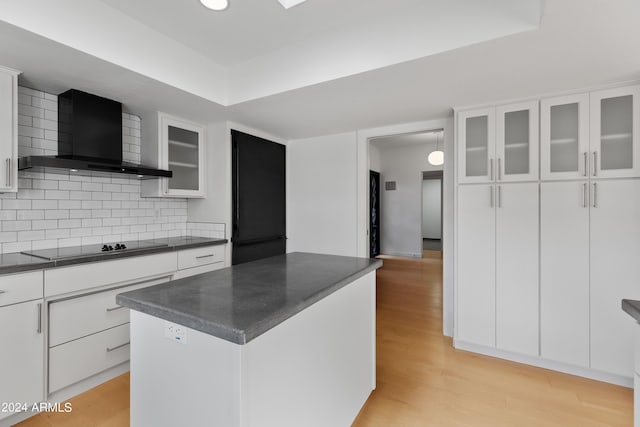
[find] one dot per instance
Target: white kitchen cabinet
(8, 130)
(615, 272)
(564, 137)
(564, 269)
(476, 265)
(516, 267)
(517, 142)
(22, 354)
(615, 143)
(476, 146)
(177, 145)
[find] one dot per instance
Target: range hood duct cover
(89, 138)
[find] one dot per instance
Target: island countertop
(242, 302)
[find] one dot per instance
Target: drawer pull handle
(2, 292)
(120, 307)
(110, 349)
(204, 256)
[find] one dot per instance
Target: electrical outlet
(175, 333)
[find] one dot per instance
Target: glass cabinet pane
(565, 151)
(516, 142)
(477, 148)
(616, 129)
(183, 159)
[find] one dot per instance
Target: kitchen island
(284, 341)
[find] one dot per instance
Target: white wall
(322, 196)
(431, 209)
(401, 209)
(374, 159)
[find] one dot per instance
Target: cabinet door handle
(499, 168)
(595, 195)
(2, 292)
(120, 307)
(39, 330)
(584, 195)
(8, 177)
(595, 163)
(490, 196)
(586, 166)
(491, 168)
(204, 256)
(110, 349)
(499, 196)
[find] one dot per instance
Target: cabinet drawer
(125, 270)
(83, 358)
(77, 317)
(189, 258)
(15, 288)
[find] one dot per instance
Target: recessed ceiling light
(290, 3)
(215, 4)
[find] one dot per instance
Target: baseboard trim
(403, 254)
(545, 364)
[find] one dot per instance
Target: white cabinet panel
(517, 142)
(22, 354)
(21, 287)
(189, 258)
(517, 268)
(476, 264)
(615, 272)
(564, 137)
(476, 146)
(8, 130)
(615, 120)
(564, 266)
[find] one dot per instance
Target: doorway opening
(432, 190)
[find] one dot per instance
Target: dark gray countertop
(240, 303)
(632, 308)
(18, 262)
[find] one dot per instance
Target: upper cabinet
(591, 135)
(179, 147)
(564, 137)
(8, 130)
(498, 144)
(476, 146)
(614, 132)
(517, 142)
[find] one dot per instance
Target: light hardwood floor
(422, 379)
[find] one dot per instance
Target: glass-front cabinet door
(615, 114)
(476, 146)
(564, 137)
(182, 145)
(517, 142)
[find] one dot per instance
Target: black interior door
(374, 214)
(259, 203)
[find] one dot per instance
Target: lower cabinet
(22, 354)
(498, 266)
(476, 313)
(564, 267)
(517, 268)
(615, 272)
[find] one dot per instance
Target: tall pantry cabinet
(498, 222)
(588, 229)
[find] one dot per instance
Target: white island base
(316, 368)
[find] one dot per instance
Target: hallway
(423, 381)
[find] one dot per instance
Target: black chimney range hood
(89, 139)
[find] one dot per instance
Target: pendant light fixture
(215, 4)
(436, 157)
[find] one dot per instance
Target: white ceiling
(580, 43)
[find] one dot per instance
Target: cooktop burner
(92, 250)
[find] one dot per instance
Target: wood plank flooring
(422, 379)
